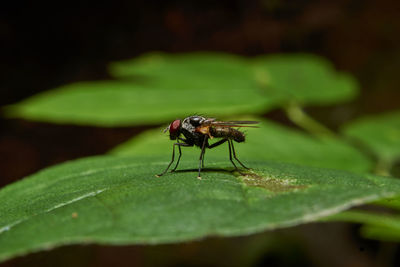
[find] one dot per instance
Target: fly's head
(174, 129)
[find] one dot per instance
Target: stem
(297, 115)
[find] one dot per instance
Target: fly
(198, 130)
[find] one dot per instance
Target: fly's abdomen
(227, 132)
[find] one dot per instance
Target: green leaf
(121, 103)
(270, 142)
(162, 87)
(118, 200)
(199, 70)
(380, 133)
(157, 87)
(393, 203)
(305, 79)
(381, 225)
(385, 227)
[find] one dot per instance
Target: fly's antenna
(166, 129)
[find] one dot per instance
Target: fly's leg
(203, 149)
(202, 162)
(234, 155)
(230, 149)
(220, 142)
(179, 158)
(180, 153)
(173, 157)
(230, 154)
(229, 146)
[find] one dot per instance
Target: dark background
(45, 45)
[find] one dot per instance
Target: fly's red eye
(174, 126)
(174, 129)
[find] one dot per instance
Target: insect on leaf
(270, 142)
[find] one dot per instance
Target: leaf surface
(118, 200)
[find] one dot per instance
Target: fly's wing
(208, 121)
(231, 123)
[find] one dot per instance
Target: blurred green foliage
(380, 133)
(304, 79)
(117, 200)
(158, 87)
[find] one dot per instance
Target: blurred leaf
(383, 226)
(157, 87)
(161, 88)
(304, 79)
(380, 133)
(270, 142)
(393, 203)
(118, 200)
(390, 231)
(379, 226)
(120, 103)
(198, 70)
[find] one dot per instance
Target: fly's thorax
(190, 123)
(193, 138)
(227, 132)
